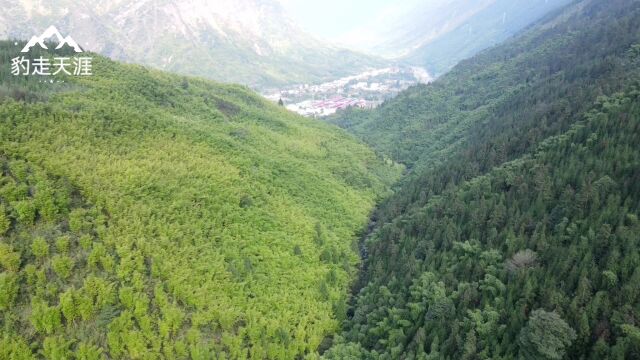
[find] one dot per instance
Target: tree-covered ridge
(501, 104)
(515, 233)
(226, 222)
(538, 259)
(536, 82)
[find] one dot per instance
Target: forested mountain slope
(500, 104)
(516, 233)
(147, 215)
(539, 258)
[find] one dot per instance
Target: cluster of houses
(329, 106)
(364, 90)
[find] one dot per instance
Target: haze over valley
(260, 44)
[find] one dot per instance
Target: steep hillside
(515, 234)
(252, 42)
(437, 34)
(147, 215)
(539, 258)
(490, 26)
(407, 26)
(536, 81)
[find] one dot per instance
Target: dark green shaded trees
(523, 193)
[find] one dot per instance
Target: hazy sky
(330, 19)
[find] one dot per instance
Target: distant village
(365, 90)
(330, 106)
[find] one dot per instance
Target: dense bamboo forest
(145, 215)
(515, 234)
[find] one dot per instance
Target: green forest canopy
(147, 215)
(520, 212)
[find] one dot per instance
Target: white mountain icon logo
(51, 31)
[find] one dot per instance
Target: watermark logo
(44, 66)
(49, 33)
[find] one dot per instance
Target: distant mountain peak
(253, 42)
(51, 31)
